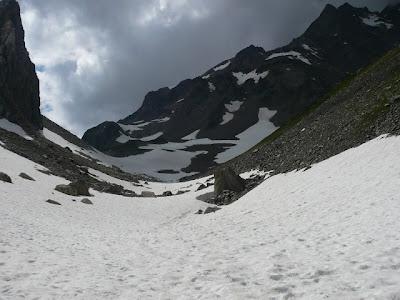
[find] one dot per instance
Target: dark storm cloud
(99, 57)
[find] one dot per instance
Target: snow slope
(7, 125)
(329, 232)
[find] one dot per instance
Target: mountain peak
(346, 5)
(252, 49)
(328, 9)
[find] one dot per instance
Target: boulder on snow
(4, 177)
(148, 194)
(26, 176)
(227, 180)
(210, 210)
(86, 201)
(53, 202)
(75, 188)
(201, 187)
(167, 194)
(115, 189)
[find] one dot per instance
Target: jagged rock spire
(19, 85)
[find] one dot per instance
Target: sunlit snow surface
(329, 232)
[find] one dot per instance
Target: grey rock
(86, 201)
(26, 176)
(75, 188)
(115, 189)
(167, 193)
(201, 187)
(210, 210)
(53, 202)
(4, 177)
(148, 194)
(225, 198)
(227, 180)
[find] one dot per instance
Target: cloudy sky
(97, 59)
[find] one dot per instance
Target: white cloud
(70, 57)
(170, 12)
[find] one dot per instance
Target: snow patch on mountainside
(231, 108)
(223, 66)
(138, 126)
(211, 87)
(152, 137)
(290, 55)
(191, 136)
(251, 136)
(375, 21)
(243, 77)
(162, 120)
(311, 50)
(328, 232)
(123, 138)
(12, 127)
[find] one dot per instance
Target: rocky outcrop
(148, 194)
(227, 99)
(76, 188)
(227, 180)
(26, 177)
(5, 178)
(19, 85)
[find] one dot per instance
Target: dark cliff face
(287, 81)
(19, 85)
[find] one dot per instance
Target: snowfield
(331, 231)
